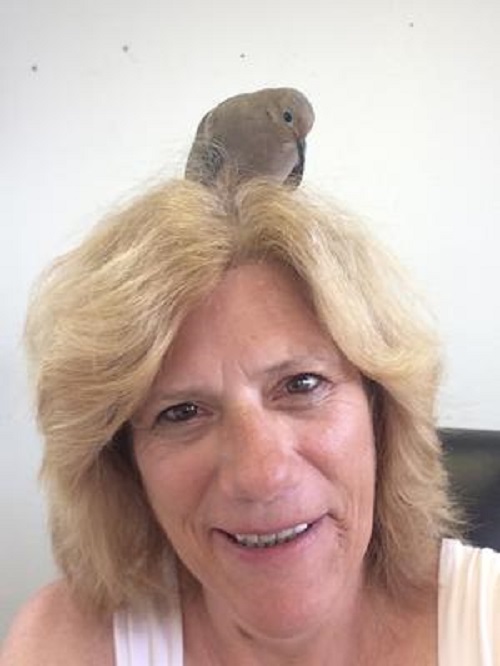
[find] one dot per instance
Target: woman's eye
(184, 411)
(303, 383)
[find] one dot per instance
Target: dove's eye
(288, 116)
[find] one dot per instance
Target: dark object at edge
(472, 458)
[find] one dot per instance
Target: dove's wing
(205, 158)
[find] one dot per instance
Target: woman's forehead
(253, 296)
(257, 315)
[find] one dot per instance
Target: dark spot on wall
(34, 68)
(243, 55)
(411, 24)
(125, 48)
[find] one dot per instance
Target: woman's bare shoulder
(51, 629)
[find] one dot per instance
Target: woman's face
(256, 449)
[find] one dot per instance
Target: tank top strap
(150, 637)
(469, 605)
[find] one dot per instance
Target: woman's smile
(288, 547)
(269, 539)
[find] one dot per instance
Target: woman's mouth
(271, 538)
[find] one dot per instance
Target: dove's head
(291, 111)
(292, 117)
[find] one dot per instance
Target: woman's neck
(366, 629)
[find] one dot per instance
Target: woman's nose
(258, 461)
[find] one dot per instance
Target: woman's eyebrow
(305, 362)
(190, 389)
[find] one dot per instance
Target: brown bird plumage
(259, 134)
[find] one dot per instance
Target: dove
(258, 134)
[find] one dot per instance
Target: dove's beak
(295, 176)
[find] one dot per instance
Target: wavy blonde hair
(105, 314)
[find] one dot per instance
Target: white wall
(99, 97)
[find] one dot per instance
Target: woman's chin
(286, 591)
(285, 619)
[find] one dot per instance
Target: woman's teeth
(268, 540)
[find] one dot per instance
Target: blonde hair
(106, 313)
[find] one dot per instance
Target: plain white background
(98, 99)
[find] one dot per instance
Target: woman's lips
(254, 540)
(267, 539)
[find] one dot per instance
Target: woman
(237, 399)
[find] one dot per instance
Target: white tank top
(469, 606)
(149, 638)
(468, 617)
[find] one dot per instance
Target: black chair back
(472, 458)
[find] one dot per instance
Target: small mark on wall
(34, 68)
(411, 24)
(125, 48)
(243, 56)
